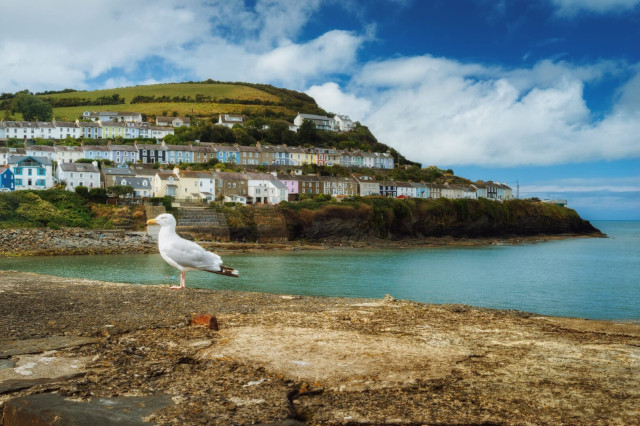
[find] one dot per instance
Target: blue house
(228, 154)
(7, 181)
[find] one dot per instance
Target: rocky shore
(76, 241)
(89, 352)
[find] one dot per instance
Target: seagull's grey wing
(190, 255)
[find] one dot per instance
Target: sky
(543, 95)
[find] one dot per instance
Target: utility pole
(517, 189)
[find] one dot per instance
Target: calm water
(587, 277)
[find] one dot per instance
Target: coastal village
(269, 174)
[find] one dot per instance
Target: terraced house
(31, 172)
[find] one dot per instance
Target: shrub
(82, 191)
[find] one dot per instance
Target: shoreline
(73, 241)
(306, 359)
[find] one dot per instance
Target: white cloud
(569, 8)
(220, 39)
(440, 111)
(67, 42)
(330, 97)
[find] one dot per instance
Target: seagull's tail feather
(227, 271)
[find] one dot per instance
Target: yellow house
(165, 184)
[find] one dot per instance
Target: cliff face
(398, 219)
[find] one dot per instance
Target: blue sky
(542, 94)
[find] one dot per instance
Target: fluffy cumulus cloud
(569, 8)
(79, 45)
(332, 98)
(64, 44)
(440, 111)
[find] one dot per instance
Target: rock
(205, 319)
(34, 346)
(55, 409)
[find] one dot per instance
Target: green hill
(199, 100)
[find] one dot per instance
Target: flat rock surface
(311, 359)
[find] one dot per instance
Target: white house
(5, 153)
(48, 152)
(79, 174)
(66, 129)
(321, 122)
(265, 188)
(31, 172)
(134, 117)
(405, 190)
(230, 120)
(173, 121)
(344, 123)
(68, 154)
(366, 185)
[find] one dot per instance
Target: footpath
(89, 352)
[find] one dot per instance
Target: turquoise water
(586, 277)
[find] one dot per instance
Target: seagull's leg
(183, 276)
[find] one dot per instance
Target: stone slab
(55, 409)
(34, 346)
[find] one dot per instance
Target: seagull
(184, 254)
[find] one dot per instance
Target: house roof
(118, 171)
(195, 174)
(40, 148)
(95, 148)
(65, 124)
(314, 117)
(135, 182)
(129, 148)
(79, 167)
(15, 159)
(166, 176)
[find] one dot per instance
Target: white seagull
(184, 254)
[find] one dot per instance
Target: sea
(595, 278)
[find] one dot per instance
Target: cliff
(415, 218)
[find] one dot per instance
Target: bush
(98, 195)
(82, 191)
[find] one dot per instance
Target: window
(18, 170)
(18, 181)
(41, 171)
(29, 171)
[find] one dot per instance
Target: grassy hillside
(201, 110)
(203, 100)
(217, 90)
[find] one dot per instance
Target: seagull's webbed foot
(183, 276)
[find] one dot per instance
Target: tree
(32, 107)
(308, 133)
(120, 191)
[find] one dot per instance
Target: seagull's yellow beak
(151, 222)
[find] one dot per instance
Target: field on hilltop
(215, 90)
(203, 100)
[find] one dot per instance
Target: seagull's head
(163, 220)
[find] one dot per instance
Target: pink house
(292, 186)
